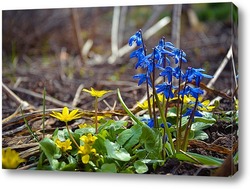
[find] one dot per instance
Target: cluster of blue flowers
(168, 60)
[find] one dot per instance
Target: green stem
(130, 114)
(96, 109)
(178, 137)
(153, 86)
(148, 99)
(29, 128)
(44, 96)
(185, 140)
(70, 135)
(162, 113)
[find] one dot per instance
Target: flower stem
(162, 113)
(96, 109)
(185, 140)
(70, 135)
(153, 86)
(178, 137)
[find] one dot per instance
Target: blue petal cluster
(167, 59)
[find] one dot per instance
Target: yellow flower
(65, 145)
(11, 159)
(85, 159)
(86, 150)
(144, 105)
(83, 125)
(96, 93)
(205, 104)
(66, 116)
(89, 139)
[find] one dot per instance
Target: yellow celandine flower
(89, 139)
(66, 116)
(65, 145)
(83, 125)
(144, 105)
(101, 117)
(85, 150)
(11, 159)
(205, 104)
(96, 93)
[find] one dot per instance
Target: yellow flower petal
(11, 159)
(65, 116)
(64, 146)
(85, 159)
(96, 93)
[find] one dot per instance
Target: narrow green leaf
(205, 160)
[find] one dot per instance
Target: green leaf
(200, 126)
(200, 135)
(86, 130)
(116, 152)
(124, 136)
(109, 168)
(129, 137)
(49, 148)
(205, 160)
(206, 118)
(141, 153)
(61, 135)
(152, 141)
(140, 167)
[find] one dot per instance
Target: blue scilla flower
(177, 72)
(137, 37)
(168, 72)
(139, 54)
(196, 75)
(176, 53)
(166, 89)
(160, 51)
(189, 113)
(143, 77)
(150, 123)
(194, 91)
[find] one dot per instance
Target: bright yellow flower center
(96, 93)
(11, 159)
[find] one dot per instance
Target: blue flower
(189, 113)
(176, 53)
(194, 91)
(160, 51)
(143, 78)
(168, 72)
(166, 88)
(195, 74)
(137, 37)
(150, 123)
